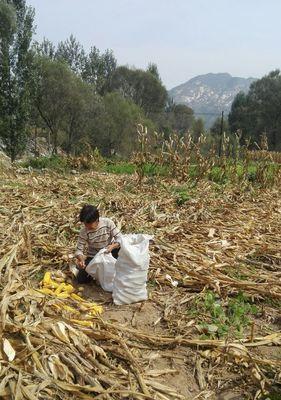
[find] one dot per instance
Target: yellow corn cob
(59, 289)
(70, 309)
(46, 291)
(68, 288)
(47, 278)
(75, 297)
(62, 295)
(52, 285)
(82, 322)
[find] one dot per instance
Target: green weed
(223, 318)
(182, 198)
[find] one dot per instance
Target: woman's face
(91, 225)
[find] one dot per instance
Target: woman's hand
(80, 261)
(111, 247)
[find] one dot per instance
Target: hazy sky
(184, 38)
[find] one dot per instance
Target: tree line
(84, 100)
(77, 99)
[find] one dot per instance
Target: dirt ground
(146, 316)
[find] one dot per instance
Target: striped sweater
(91, 241)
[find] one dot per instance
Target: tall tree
(198, 128)
(16, 73)
(99, 69)
(52, 97)
(258, 112)
(67, 105)
(45, 49)
(153, 69)
(238, 117)
(83, 108)
(216, 129)
(142, 87)
(116, 131)
(72, 52)
(177, 118)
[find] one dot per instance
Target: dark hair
(89, 214)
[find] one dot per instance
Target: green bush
(54, 162)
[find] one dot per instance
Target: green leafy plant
(224, 318)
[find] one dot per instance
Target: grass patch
(119, 168)
(56, 163)
(259, 173)
(123, 167)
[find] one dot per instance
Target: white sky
(184, 38)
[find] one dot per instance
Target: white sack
(102, 269)
(129, 284)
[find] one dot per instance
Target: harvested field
(211, 328)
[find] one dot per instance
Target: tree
(67, 105)
(83, 108)
(16, 69)
(153, 69)
(259, 111)
(53, 94)
(72, 52)
(238, 117)
(99, 69)
(181, 118)
(175, 118)
(45, 49)
(116, 130)
(198, 128)
(142, 87)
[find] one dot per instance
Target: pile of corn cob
(54, 284)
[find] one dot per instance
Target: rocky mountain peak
(210, 94)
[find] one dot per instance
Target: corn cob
(75, 297)
(70, 309)
(63, 295)
(46, 291)
(47, 278)
(52, 285)
(59, 289)
(68, 288)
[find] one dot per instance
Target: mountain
(210, 94)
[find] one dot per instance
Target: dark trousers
(83, 277)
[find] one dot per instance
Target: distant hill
(210, 94)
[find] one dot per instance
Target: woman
(96, 234)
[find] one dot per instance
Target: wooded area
(76, 99)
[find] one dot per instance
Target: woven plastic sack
(132, 265)
(102, 269)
